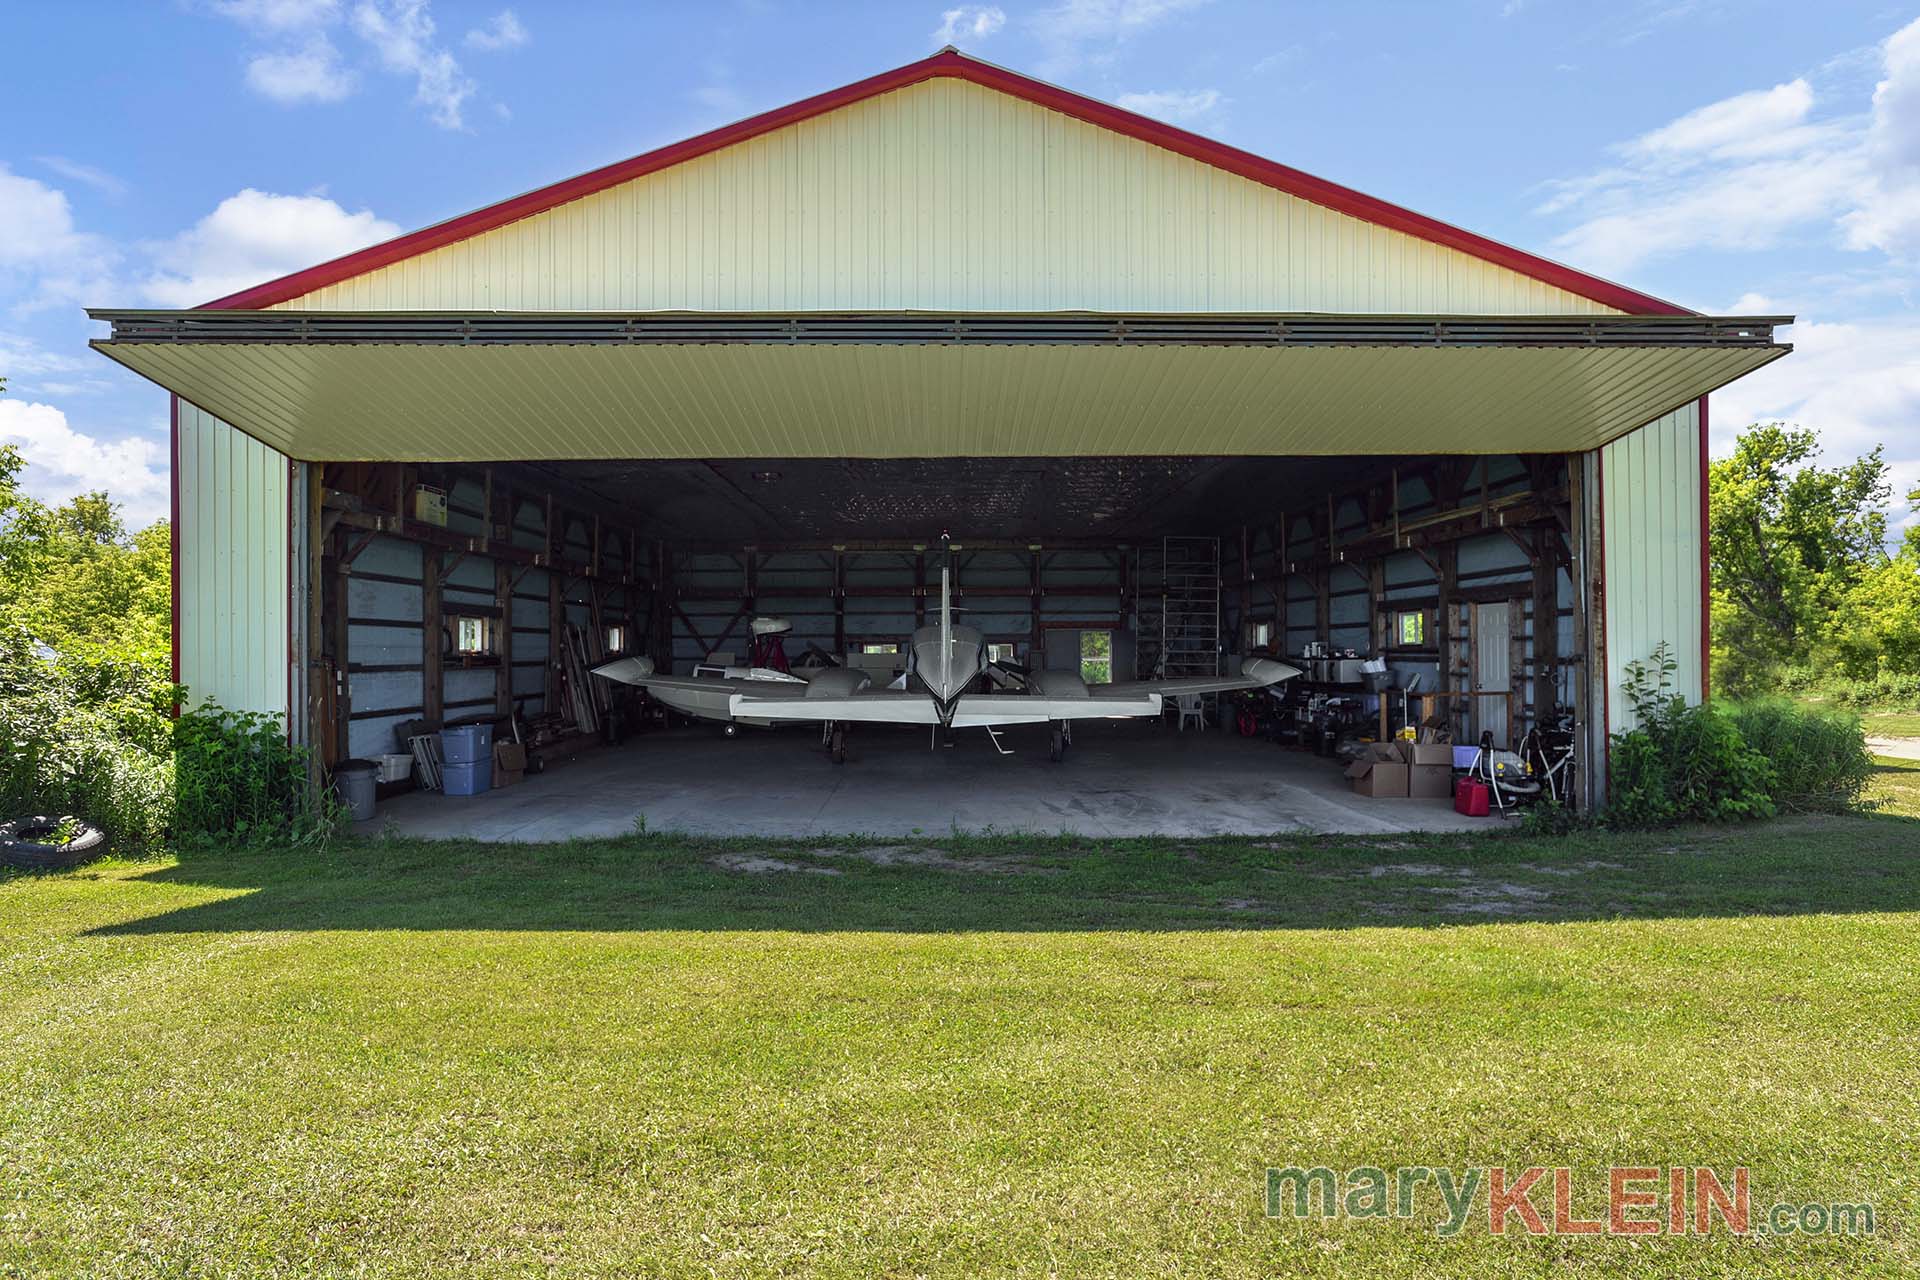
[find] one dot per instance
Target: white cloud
(63, 462)
(1888, 218)
(22, 357)
(1743, 173)
(1076, 30)
(255, 236)
(86, 174)
(279, 16)
(503, 31)
(401, 32)
(1176, 106)
(38, 221)
(1856, 384)
(49, 258)
(1763, 121)
(311, 74)
(969, 21)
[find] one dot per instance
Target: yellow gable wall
(946, 196)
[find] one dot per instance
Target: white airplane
(945, 661)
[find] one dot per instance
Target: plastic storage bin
(467, 744)
(469, 779)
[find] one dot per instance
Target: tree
(1789, 541)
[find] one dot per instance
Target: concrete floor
(1121, 778)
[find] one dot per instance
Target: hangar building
(1173, 401)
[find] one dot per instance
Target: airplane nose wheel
(837, 744)
(1057, 743)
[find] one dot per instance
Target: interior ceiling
(774, 500)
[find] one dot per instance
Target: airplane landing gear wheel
(837, 744)
(1057, 744)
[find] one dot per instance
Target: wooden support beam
(432, 639)
(503, 584)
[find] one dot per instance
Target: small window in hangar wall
(473, 635)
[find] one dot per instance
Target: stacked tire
(26, 842)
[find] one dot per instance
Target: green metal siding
(1650, 512)
(232, 564)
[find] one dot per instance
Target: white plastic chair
(1191, 709)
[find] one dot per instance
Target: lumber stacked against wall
(584, 698)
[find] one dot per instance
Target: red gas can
(1471, 798)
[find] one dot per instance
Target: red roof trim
(949, 62)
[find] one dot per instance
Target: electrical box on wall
(430, 505)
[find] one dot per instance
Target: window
(472, 635)
(1259, 634)
(1410, 629)
(1000, 653)
(616, 639)
(880, 648)
(1096, 657)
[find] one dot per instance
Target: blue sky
(1754, 157)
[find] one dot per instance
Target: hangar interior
(1117, 566)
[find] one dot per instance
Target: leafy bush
(87, 734)
(1683, 763)
(1882, 689)
(1819, 758)
(237, 779)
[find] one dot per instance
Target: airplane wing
(868, 706)
(1068, 699)
(763, 697)
(1255, 673)
(976, 709)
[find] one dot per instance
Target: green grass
(1892, 724)
(1031, 1057)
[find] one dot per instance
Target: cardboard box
(1379, 772)
(509, 763)
(1429, 781)
(1439, 753)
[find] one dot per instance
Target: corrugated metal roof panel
(457, 403)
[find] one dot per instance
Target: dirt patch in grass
(1415, 869)
(757, 864)
(913, 855)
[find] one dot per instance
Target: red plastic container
(1471, 798)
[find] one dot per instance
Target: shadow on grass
(1017, 884)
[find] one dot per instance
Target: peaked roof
(950, 62)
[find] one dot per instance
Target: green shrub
(237, 779)
(1819, 758)
(1683, 763)
(1883, 689)
(86, 734)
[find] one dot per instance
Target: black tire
(1057, 745)
(18, 851)
(837, 744)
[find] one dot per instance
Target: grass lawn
(1892, 724)
(666, 1057)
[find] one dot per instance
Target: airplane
(945, 660)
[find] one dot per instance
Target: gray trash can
(355, 779)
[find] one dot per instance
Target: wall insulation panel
(232, 561)
(1651, 529)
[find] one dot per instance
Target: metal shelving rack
(1178, 609)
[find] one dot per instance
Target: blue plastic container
(467, 744)
(471, 779)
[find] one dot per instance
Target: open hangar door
(1061, 563)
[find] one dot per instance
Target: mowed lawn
(956, 1058)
